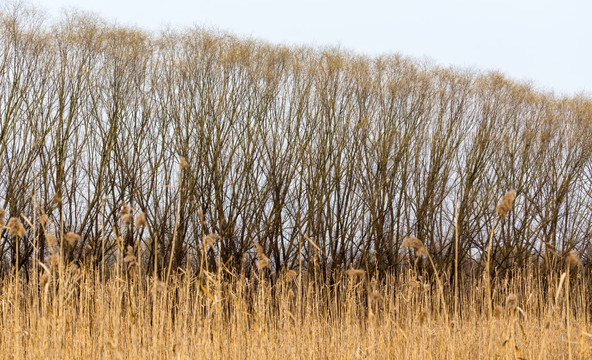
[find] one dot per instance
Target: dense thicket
(317, 154)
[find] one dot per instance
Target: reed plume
(506, 203)
(51, 239)
(125, 209)
(262, 259)
(573, 259)
(290, 274)
(127, 219)
(416, 244)
(72, 238)
(141, 221)
(210, 240)
(182, 163)
(355, 273)
(43, 220)
(15, 227)
(130, 258)
(511, 302)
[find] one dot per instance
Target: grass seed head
(141, 221)
(511, 302)
(159, 286)
(506, 204)
(130, 258)
(355, 273)
(127, 220)
(263, 263)
(573, 259)
(16, 228)
(72, 238)
(43, 220)
(290, 274)
(263, 260)
(216, 237)
(210, 240)
(416, 244)
(51, 239)
(376, 296)
(182, 163)
(259, 249)
(422, 251)
(125, 209)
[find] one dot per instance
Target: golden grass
(74, 314)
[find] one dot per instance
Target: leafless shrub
(352, 152)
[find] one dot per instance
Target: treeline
(321, 156)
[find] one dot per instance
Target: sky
(546, 43)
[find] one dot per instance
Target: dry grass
(75, 315)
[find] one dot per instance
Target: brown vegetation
(74, 314)
(195, 193)
(276, 143)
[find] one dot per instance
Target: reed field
(80, 316)
(191, 194)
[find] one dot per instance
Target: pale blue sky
(547, 43)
